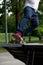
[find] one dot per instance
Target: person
(30, 14)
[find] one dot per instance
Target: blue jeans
(28, 14)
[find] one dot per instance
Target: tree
(2, 12)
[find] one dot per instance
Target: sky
(1, 1)
(1, 6)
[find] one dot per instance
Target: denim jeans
(28, 14)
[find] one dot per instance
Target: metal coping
(10, 45)
(20, 45)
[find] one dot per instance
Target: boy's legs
(20, 29)
(27, 16)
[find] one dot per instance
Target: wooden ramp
(18, 53)
(30, 54)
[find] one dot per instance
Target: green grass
(33, 39)
(2, 37)
(2, 50)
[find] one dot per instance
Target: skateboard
(16, 41)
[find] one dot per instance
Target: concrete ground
(7, 59)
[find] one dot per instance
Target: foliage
(38, 31)
(11, 23)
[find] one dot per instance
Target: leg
(34, 24)
(27, 15)
(20, 29)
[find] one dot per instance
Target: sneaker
(18, 35)
(22, 42)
